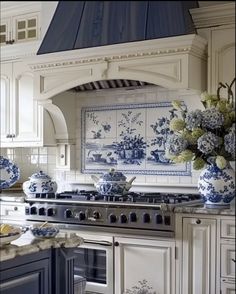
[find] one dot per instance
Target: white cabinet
(206, 254)
(19, 28)
(222, 56)
(21, 116)
(12, 209)
(144, 264)
(227, 256)
(198, 251)
(227, 287)
(216, 23)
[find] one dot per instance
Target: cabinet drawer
(228, 260)
(227, 287)
(12, 210)
(227, 228)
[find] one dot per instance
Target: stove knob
(133, 217)
(159, 219)
(123, 218)
(27, 210)
(96, 214)
(41, 211)
(50, 212)
(146, 218)
(112, 218)
(68, 213)
(81, 216)
(33, 210)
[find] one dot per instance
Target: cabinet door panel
(29, 284)
(4, 31)
(144, 265)
(228, 260)
(25, 117)
(199, 260)
(228, 287)
(223, 57)
(29, 278)
(6, 92)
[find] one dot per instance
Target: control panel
(129, 217)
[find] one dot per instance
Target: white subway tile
(43, 150)
(185, 180)
(151, 179)
(173, 180)
(162, 179)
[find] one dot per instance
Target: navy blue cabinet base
(45, 272)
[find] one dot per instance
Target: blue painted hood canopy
(84, 24)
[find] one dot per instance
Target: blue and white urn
(217, 186)
(39, 183)
(112, 183)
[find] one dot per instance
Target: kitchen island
(38, 266)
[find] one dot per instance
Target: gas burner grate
(132, 197)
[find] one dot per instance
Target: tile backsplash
(31, 160)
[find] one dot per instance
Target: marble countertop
(27, 244)
(202, 209)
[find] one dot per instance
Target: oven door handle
(103, 243)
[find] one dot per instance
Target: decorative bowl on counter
(44, 231)
(112, 183)
(8, 234)
(39, 183)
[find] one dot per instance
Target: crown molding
(222, 14)
(12, 8)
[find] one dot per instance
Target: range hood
(86, 24)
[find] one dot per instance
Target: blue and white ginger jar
(39, 183)
(112, 183)
(217, 186)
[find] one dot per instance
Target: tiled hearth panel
(128, 137)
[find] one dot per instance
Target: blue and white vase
(217, 186)
(39, 183)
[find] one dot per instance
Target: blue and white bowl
(44, 232)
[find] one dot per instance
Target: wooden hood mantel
(174, 63)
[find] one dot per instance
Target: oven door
(94, 261)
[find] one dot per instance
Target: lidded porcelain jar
(112, 183)
(39, 183)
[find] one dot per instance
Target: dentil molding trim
(222, 14)
(193, 44)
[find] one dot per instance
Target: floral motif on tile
(141, 288)
(130, 138)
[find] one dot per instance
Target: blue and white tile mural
(129, 138)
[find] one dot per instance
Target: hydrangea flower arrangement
(204, 136)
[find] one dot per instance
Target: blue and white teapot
(112, 183)
(39, 183)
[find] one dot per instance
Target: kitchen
(58, 138)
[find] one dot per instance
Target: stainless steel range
(149, 213)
